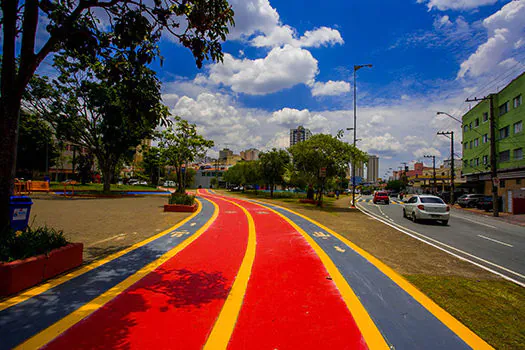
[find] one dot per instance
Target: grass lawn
(58, 186)
(491, 307)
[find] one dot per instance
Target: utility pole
(493, 160)
(452, 187)
(433, 170)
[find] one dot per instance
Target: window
(504, 108)
(504, 156)
(470, 144)
(485, 160)
(518, 153)
(476, 142)
(465, 163)
(465, 145)
(476, 162)
(432, 200)
(518, 127)
(517, 101)
(485, 117)
(472, 162)
(485, 138)
(501, 183)
(470, 126)
(465, 128)
(504, 133)
(476, 122)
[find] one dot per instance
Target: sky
(290, 62)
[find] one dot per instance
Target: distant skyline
(289, 63)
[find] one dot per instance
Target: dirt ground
(105, 225)
(403, 253)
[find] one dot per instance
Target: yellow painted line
(87, 309)
(225, 323)
(373, 337)
(469, 337)
(30, 293)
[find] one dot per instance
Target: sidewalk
(506, 217)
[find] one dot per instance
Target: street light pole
(433, 170)
(356, 68)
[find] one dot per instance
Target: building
(298, 135)
(509, 117)
(205, 174)
(225, 153)
(250, 154)
(372, 169)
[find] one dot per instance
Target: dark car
(393, 194)
(380, 196)
(469, 200)
(366, 192)
(485, 203)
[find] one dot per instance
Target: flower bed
(181, 202)
(21, 274)
(181, 208)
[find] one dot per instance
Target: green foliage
(152, 163)
(182, 198)
(214, 182)
(322, 151)
(190, 174)
(395, 185)
(244, 173)
(32, 242)
(34, 139)
(181, 145)
(273, 165)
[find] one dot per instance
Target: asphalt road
(486, 241)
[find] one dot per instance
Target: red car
(381, 197)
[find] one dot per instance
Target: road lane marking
(59, 327)
(339, 249)
(469, 337)
(474, 221)
(373, 337)
(425, 239)
(30, 293)
(495, 240)
(225, 323)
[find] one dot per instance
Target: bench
(37, 186)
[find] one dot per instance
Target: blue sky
(289, 63)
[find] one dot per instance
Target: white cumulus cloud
(330, 88)
(291, 118)
(443, 5)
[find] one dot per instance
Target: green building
(509, 117)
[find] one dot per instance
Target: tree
(273, 167)
(243, 173)
(85, 167)
(323, 151)
(152, 164)
(180, 146)
(200, 25)
(36, 149)
(395, 185)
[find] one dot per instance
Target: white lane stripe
(416, 234)
(495, 240)
(474, 221)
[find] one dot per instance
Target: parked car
(393, 194)
(426, 207)
(365, 192)
(446, 196)
(380, 196)
(169, 184)
(469, 200)
(485, 203)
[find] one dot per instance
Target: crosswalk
(369, 200)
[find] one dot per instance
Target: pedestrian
(401, 196)
(336, 194)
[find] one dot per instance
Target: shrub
(182, 198)
(21, 245)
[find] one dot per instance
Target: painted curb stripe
(448, 320)
(225, 324)
(69, 321)
(366, 325)
(30, 293)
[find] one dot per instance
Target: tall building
(250, 154)
(372, 172)
(509, 117)
(225, 153)
(298, 135)
(360, 170)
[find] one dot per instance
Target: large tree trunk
(271, 190)
(107, 173)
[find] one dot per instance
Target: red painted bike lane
(290, 302)
(176, 305)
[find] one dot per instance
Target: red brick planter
(21, 274)
(181, 208)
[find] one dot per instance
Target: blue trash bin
(19, 211)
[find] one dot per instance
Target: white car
(426, 207)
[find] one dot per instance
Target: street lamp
(356, 68)
(445, 113)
